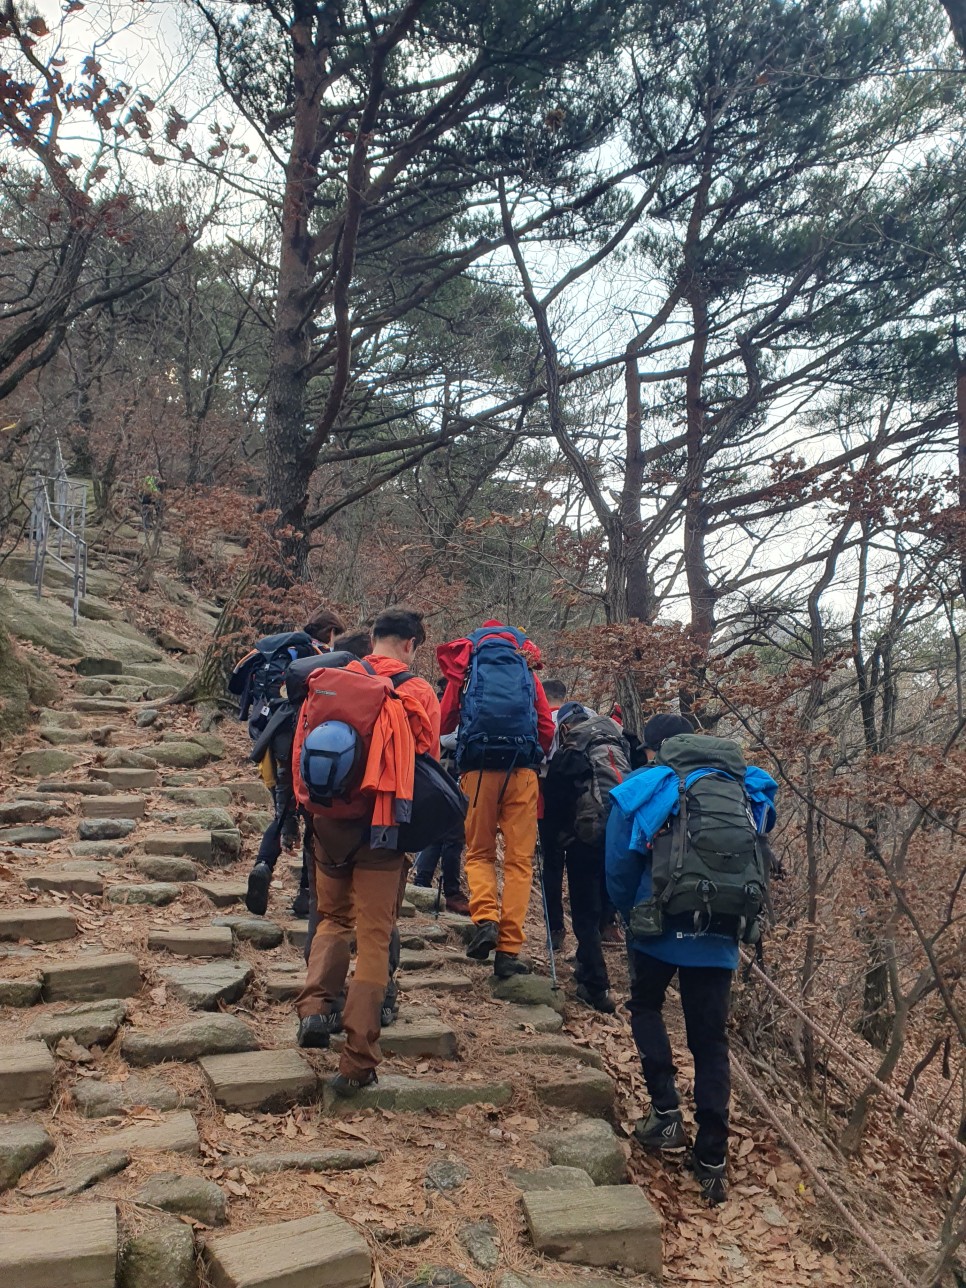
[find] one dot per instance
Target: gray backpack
(708, 863)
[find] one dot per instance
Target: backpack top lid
(270, 644)
(686, 752)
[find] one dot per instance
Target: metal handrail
(60, 518)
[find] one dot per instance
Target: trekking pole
(546, 917)
(439, 890)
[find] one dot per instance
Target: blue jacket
(641, 805)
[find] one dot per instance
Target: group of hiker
(371, 764)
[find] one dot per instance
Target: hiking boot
(388, 1015)
(711, 1177)
(598, 999)
(458, 903)
(662, 1131)
(422, 882)
(484, 941)
(506, 965)
(557, 940)
(259, 881)
(344, 1086)
(611, 935)
(300, 904)
(315, 1030)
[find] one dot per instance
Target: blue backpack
(498, 707)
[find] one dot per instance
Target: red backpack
(353, 694)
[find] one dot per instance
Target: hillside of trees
(637, 324)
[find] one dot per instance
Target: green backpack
(708, 862)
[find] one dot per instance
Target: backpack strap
(400, 678)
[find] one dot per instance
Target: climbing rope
(748, 1085)
(889, 1092)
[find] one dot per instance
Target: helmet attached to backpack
(331, 761)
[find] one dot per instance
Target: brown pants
(360, 893)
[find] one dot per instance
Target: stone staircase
(158, 1127)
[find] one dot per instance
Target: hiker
(549, 829)
(150, 502)
(360, 860)
(590, 756)
(258, 679)
(505, 731)
(688, 868)
(448, 852)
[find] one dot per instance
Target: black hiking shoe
(557, 940)
(344, 1086)
(315, 1030)
(484, 941)
(662, 1131)
(422, 883)
(300, 904)
(598, 1000)
(259, 881)
(711, 1178)
(506, 965)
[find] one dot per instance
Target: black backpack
(709, 865)
(592, 756)
(257, 679)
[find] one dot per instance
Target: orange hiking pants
(514, 813)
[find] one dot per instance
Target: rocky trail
(158, 1126)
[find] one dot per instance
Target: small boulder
(181, 755)
(446, 1174)
(165, 867)
(591, 1144)
(22, 1146)
(253, 930)
(481, 1241)
(160, 1256)
(146, 716)
(105, 829)
(190, 1196)
(528, 990)
(156, 895)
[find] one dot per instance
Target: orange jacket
(408, 725)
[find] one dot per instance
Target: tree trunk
(855, 1128)
(210, 682)
(288, 477)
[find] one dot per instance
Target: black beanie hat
(666, 726)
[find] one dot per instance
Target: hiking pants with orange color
(355, 893)
(508, 804)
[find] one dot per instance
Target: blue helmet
(331, 758)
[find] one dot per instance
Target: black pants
(585, 864)
(450, 853)
(553, 860)
(285, 825)
(705, 995)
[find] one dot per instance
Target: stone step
(87, 1024)
(26, 1076)
(95, 1099)
(204, 988)
(541, 1019)
(89, 978)
(414, 1037)
(83, 1174)
(282, 986)
(252, 790)
(176, 1134)
(200, 797)
(188, 1196)
(42, 1249)
(179, 755)
(113, 807)
(223, 894)
(20, 992)
(550, 1178)
(424, 933)
(100, 706)
(105, 829)
(313, 1160)
(410, 1095)
(528, 990)
(190, 1040)
(43, 762)
(65, 881)
(22, 1146)
(63, 787)
(30, 811)
(267, 1080)
(418, 959)
(30, 834)
(185, 941)
(587, 1091)
(319, 1251)
(129, 779)
(42, 925)
(155, 894)
(257, 931)
(194, 844)
(554, 1048)
(611, 1225)
(297, 933)
(437, 981)
(166, 867)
